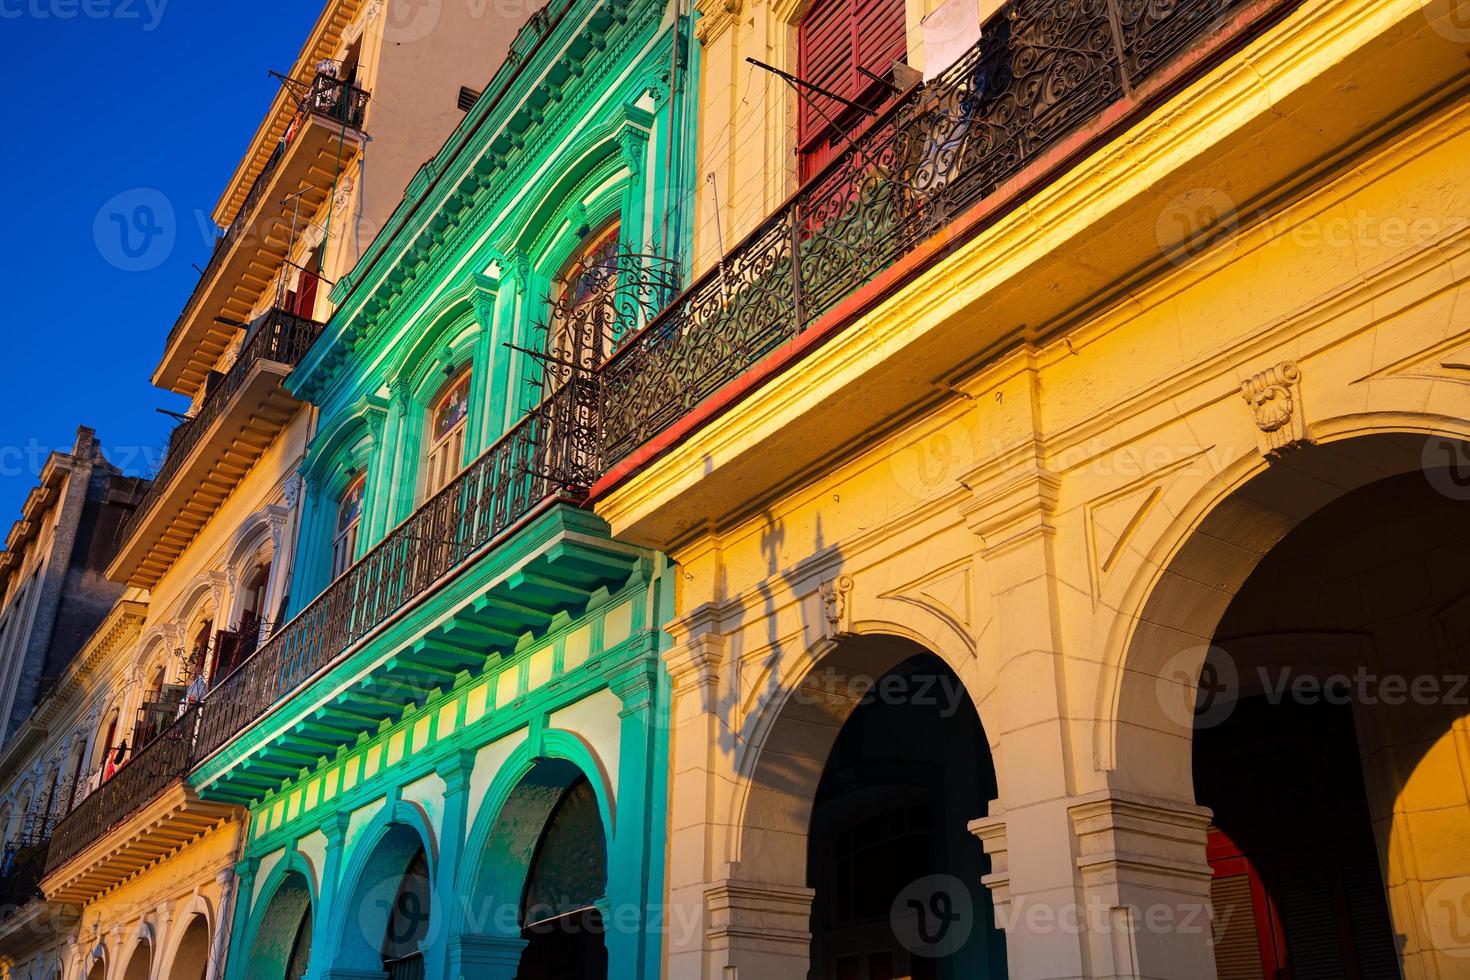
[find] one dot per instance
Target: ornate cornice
(499, 139)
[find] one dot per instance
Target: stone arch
(287, 898)
(806, 766)
(137, 959)
(502, 840)
(1159, 638)
(188, 952)
(375, 866)
(789, 742)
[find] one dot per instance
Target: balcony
(142, 813)
(208, 454)
(1019, 169)
(323, 138)
(27, 921)
(504, 544)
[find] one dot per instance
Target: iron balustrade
(1041, 71)
(279, 336)
(543, 459)
(21, 867)
(328, 97)
(151, 770)
(410, 967)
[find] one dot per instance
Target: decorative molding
(947, 593)
(1275, 401)
(696, 661)
(837, 606)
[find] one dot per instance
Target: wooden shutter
(834, 40)
(1237, 943)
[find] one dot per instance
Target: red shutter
(835, 38)
(306, 294)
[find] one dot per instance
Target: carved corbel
(837, 607)
(1275, 402)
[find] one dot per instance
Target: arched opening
(389, 919)
(110, 752)
(1327, 711)
(408, 922)
(140, 964)
(559, 917)
(544, 858)
(282, 946)
(860, 798)
(448, 425)
(98, 969)
(349, 522)
(191, 959)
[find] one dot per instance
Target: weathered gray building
(53, 590)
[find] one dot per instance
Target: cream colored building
(1194, 378)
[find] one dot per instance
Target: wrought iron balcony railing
(21, 865)
(328, 97)
(280, 336)
(1042, 70)
(149, 772)
(543, 459)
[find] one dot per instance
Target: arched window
(112, 753)
(252, 606)
(349, 517)
(448, 419)
(583, 331)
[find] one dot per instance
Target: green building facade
(464, 767)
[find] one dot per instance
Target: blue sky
(111, 106)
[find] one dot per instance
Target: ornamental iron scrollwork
(1042, 70)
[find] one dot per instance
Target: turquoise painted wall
(581, 124)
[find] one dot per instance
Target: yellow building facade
(1187, 393)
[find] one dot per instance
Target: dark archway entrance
(895, 871)
(1324, 737)
(560, 920)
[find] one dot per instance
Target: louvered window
(447, 424)
(837, 41)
